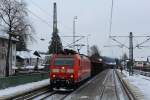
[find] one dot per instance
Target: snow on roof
(6, 36)
(32, 67)
(3, 35)
(43, 56)
(100, 59)
(30, 54)
(111, 63)
(26, 54)
(140, 59)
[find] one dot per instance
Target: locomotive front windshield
(63, 62)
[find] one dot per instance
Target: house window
(0, 54)
(3, 53)
(13, 58)
(3, 56)
(3, 44)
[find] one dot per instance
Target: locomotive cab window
(63, 62)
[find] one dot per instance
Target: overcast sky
(93, 18)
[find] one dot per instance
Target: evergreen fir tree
(55, 44)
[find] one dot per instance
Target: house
(27, 60)
(3, 52)
(140, 62)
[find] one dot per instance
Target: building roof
(30, 54)
(25, 54)
(141, 59)
(4, 35)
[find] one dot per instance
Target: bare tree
(124, 57)
(94, 52)
(13, 21)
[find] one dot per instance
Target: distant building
(140, 62)
(27, 60)
(3, 53)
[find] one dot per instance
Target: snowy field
(142, 83)
(13, 91)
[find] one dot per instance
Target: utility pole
(55, 19)
(74, 30)
(55, 30)
(130, 53)
(88, 46)
(131, 48)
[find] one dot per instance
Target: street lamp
(74, 30)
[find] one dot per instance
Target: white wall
(3, 52)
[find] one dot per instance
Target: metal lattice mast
(55, 18)
(55, 30)
(74, 31)
(131, 52)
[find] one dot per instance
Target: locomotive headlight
(55, 70)
(71, 76)
(53, 76)
(70, 71)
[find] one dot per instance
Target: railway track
(119, 86)
(42, 94)
(126, 88)
(30, 95)
(103, 86)
(111, 87)
(107, 86)
(114, 86)
(84, 90)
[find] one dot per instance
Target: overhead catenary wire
(38, 17)
(42, 20)
(111, 17)
(142, 42)
(37, 6)
(75, 41)
(110, 26)
(44, 11)
(110, 23)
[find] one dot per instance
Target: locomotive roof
(64, 55)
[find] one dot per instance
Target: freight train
(68, 70)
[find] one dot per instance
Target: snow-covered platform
(139, 85)
(17, 90)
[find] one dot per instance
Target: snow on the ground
(13, 91)
(141, 82)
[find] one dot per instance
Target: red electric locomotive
(68, 70)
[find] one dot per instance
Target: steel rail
(34, 93)
(63, 98)
(114, 77)
(103, 86)
(54, 92)
(126, 88)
